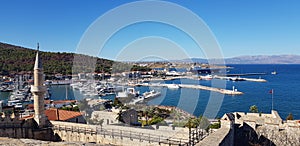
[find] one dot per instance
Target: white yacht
(151, 94)
(173, 86)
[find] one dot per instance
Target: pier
(200, 87)
(243, 74)
(239, 79)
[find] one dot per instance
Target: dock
(244, 74)
(200, 87)
(239, 79)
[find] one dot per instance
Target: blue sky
(256, 27)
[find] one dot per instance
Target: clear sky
(253, 27)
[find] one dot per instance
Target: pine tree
(290, 117)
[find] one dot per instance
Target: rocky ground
(31, 142)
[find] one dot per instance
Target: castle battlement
(241, 128)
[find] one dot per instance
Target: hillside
(16, 59)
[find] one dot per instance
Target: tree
(200, 122)
(117, 102)
(290, 117)
(203, 122)
(119, 116)
(253, 109)
(83, 105)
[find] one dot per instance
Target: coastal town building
(55, 114)
(130, 117)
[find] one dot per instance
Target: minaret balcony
(38, 88)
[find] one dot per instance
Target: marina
(249, 91)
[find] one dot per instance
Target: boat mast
(66, 93)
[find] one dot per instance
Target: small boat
(173, 86)
(151, 94)
(7, 88)
(129, 92)
(207, 77)
(274, 73)
(18, 105)
(137, 100)
(13, 102)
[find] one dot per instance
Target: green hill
(15, 59)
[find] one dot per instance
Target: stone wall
(281, 135)
(15, 128)
(222, 137)
(255, 129)
(119, 135)
(262, 129)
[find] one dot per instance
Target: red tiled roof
(61, 115)
(26, 117)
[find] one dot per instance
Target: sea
(285, 96)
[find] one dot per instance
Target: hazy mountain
(258, 59)
(265, 59)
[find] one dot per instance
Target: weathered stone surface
(31, 142)
(255, 129)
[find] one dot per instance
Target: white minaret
(38, 90)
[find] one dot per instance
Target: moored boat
(151, 94)
(173, 86)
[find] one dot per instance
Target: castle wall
(222, 137)
(15, 128)
(73, 132)
(287, 135)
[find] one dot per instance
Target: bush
(155, 120)
(215, 125)
(253, 109)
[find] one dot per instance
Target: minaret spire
(38, 61)
(38, 90)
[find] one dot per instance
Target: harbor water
(285, 84)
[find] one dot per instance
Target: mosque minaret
(38, 90)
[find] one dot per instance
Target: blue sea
(285, 85)
(286, 95)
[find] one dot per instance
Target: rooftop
(54, 114)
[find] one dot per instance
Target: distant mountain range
(258, 59)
